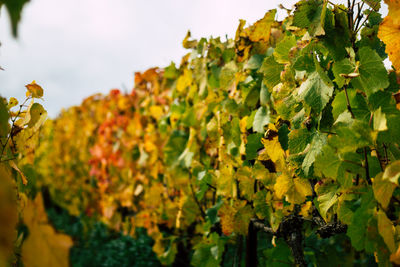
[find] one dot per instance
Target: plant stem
(366, 19)
(251, 246)
(348, 102)
(379, 159)
(367, 166)
(197, 202)
(386, 155)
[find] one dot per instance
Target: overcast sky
(75, 48)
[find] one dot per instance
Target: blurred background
(77, 48)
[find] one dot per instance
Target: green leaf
(14, 8)
(283, 136)
(373, 74)
(250, 91)
(392, 172)
(316, 91)
(374, 4)
(253, 145)
(189, 117)
(298, 140)
(393, 132)
(202, 256)
(327, 162)
(254, 62)
(171, 72)
(351, 136)
(209, 252)
(279, 255)
(357, 229)
(340, 69)
(232, 131)
(317, 143)
(337, 33)
(327, 197)
(261, 207)
(385, 101)
(242, 220)
(265, 95)
(272, 71)
(212, 213)
(175, 146)
(383, 190)
(344, 212)
(246, 182)
(305, 62)
(227, 75)
(168, 257)
(357, 103)
(310, 15)
(204, 180)
(379, 120)
(386, 230)
(261, 119)
(281, 52)
(369, 35)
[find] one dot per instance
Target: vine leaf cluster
(287, 133)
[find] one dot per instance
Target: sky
(76, 48)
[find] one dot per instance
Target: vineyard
(280, 147)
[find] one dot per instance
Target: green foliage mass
(97, 245)
(288, 133)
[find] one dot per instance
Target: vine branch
(203, 214)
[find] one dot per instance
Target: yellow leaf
(235, 218)
(44, 246)
(8, 214)
(383, 190)
(298, 193)
(386, 230)
(34, 89)
(12, 102)
(389, 32)
(246, 182)
(273, 147)
(296, 190)
(184, 81)
(394, 10)
(227, 213)
(156, 112)
(38, 115)
(15, 167)
(306, 209)
(242, 218)
(261, 30)
(189, 44)
(243, 124)
(123, 103)
(226, 181)
(395, 257)
(149, 146)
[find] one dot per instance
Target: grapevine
(286, 133)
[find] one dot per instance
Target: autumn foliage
(281, 145)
